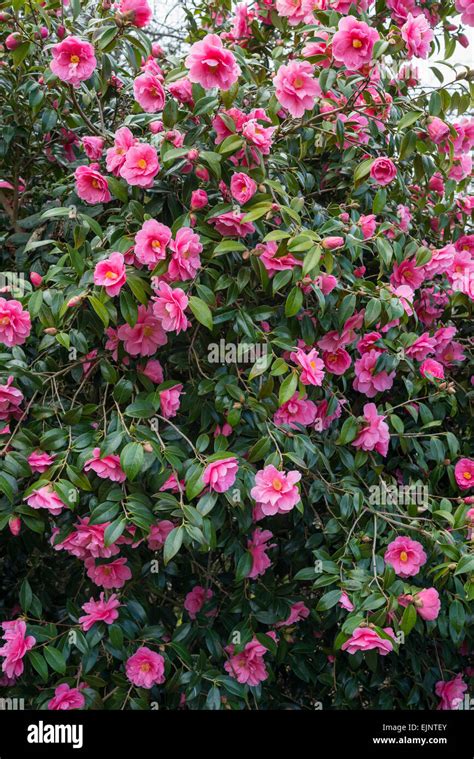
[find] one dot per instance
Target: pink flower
(112, 575)
(159, 532)
(10, 400)
(185, 261)
(326, 283)
(295, 411)
(230, 224)
(66, 698)
(169, 306)
(153, 370)
(196, 599)
(145, 668)
(464, 473)
(15, 648)
(86, 541)
(247, 666)
(182, 90)
(465, 7)
(15, 323)
(366, 380)
(450, 692)
(417, 35)
(383, 171)
(199, 199)
(111, 274)
(345, 602)
(272, 262)
(123, 141)
(73, 60)
(220, 475)
(421, 347)
(45, 498)
(375, 435)
(296, 88)
(368, 225)
(366, 639)
(354, 42)
(93, 147)
(275, 491)
(407, 273)
(138, 12)
(91, 186)
(151, 243)
(149, 93)
(140, 166)
(257, 547)
(107, 468)
(297, 11)
(337, 361)
(242, 188)
(103, 610)
(145, 337)
(211, 65)
(406, 556)
(14, 525)
(298, 612)
(332, 243)
(432, 369)
(323, 420)
(312, 367)
(427, 603)
(438, 131)
(169, 401)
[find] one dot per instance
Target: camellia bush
(237, 283)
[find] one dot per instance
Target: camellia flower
(185, 261)
(103, 610)
(110, 273)
(432, 369)
(276, 491)
(258, 547)
(375, 435)
(73, 60)
(145, 668)
(153, 370)
(66, 698)
(451, 692)
(112, 575)
(149, 93)
(271, 261)
(211, 65)
(464, 473)
(366, 381)
(15, 323)
(248, 666)
(10, 400)
(231, 224)
(199, 199)
(107, 467)
(91, 186)
(366, 639)
(140, 166)
(169, 306)
(40, 461)
(298, 612)
(169, 401)
(151, 242)
(45, 498)
(16, 645)
(466, 9)
(115, 157)
(296, 411)
(196, 599)
(337, 361)
(145, 337)
(427, 603)
(138, 12)
(297, 11)
(242, 187)
(159, 532)
(220, 475)
(296, 88)
(345, 602)
(354, 42)
(383, 171)
(311, 366)
(406, 556)
(417, 35)
(93, 147)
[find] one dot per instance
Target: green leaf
(465, 565)
(201, 311)
(55, 659)
(100, 309)
(294, 302)
(131, 459)
(26, 595)
(328, 600)
(348, 431)
(244, 566)
(408, 621)
(287, 388)
(409, 118)
(39, 664)
(173, 543)
(114, 531)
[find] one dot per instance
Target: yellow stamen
(403, 556)
(356, 43)
(141, 163)
(75, 59)
(277, 485)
